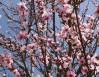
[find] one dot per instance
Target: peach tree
(49, 38)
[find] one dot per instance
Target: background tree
(49, 38)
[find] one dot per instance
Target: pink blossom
(49, 40)
(23, 11)
(45, 14)
(97, 11)
(31, 46)
(91, 17)
(92, 67)
(22, 35)
(47, 59)
(78, 43)
(64, 32)
(68, 8)
(23, 48)
(16, 73)
(63, 1)
(97, 70)
(84, 70)
(95, 59)
(66, 64)
(84, 38)
(58, 49)
(71, 74)
(82, 60)
(22, 8)
(6, 60)
(98, 31)
(42, 27)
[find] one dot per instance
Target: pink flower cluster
(64, 49)
(22, 35)
(7, 62)
(43, 15)
(22, 9)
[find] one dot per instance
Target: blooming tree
(49, 38)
